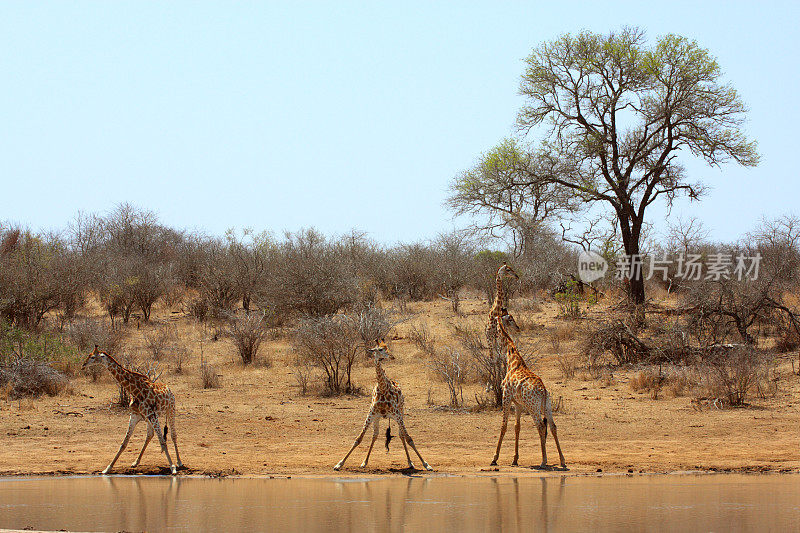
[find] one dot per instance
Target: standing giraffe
(387, 402)
(525, 391)
(499, 309)
(149, 400)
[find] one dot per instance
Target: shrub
(17, 343)
(450, 367)
(311, 276)
(247, 333)
(329, 344)
(180, 352)
(733, 372)
(616, 339)
(648, 380)
(87, 332)
(788, 338)
(568, 299)
(197, 307)
(561, 333)
(30, 378)
(423, 339)
(489, 368)
(159, 340)
(567, 365)
(302, 374)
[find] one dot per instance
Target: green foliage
(16, 343)
(493, 257)
(569, 300)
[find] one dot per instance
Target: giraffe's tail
(389, 436)
(548, 412)
(165, 431)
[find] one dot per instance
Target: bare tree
(248, 263)
(310, 277)
(413, 272)
(373, 323)
(455, 264)
(216, 279)
(38, 274)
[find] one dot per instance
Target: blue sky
(338, 115)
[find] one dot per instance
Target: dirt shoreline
(367, 475)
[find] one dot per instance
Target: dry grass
(563, 333)
(674, 382)
(648, 380)
(528, 305)
(209, 378)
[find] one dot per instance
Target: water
(630, 503)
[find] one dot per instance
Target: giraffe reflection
(513, 508)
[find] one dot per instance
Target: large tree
(615, 114)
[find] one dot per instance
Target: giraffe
(525, 391)
(499, 309)
(387, 402)
(148, 401)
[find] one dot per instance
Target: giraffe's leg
(558, 445)
(405, 447)
(541, 425)
(162, 439)
(174, 434)
(376, 424)
(506, 410)
(150, 434)
(369, 420)
(518, 411)
(135, 418)
(407, 438)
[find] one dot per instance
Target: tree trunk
(631, 231)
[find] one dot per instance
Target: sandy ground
(259, 424)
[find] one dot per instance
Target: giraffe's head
(506, 271)
(380, 351)
(508, 320)
(94, 358)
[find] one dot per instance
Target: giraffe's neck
(126, 378)
(383, 380)
(513, 359)
(499, 296)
